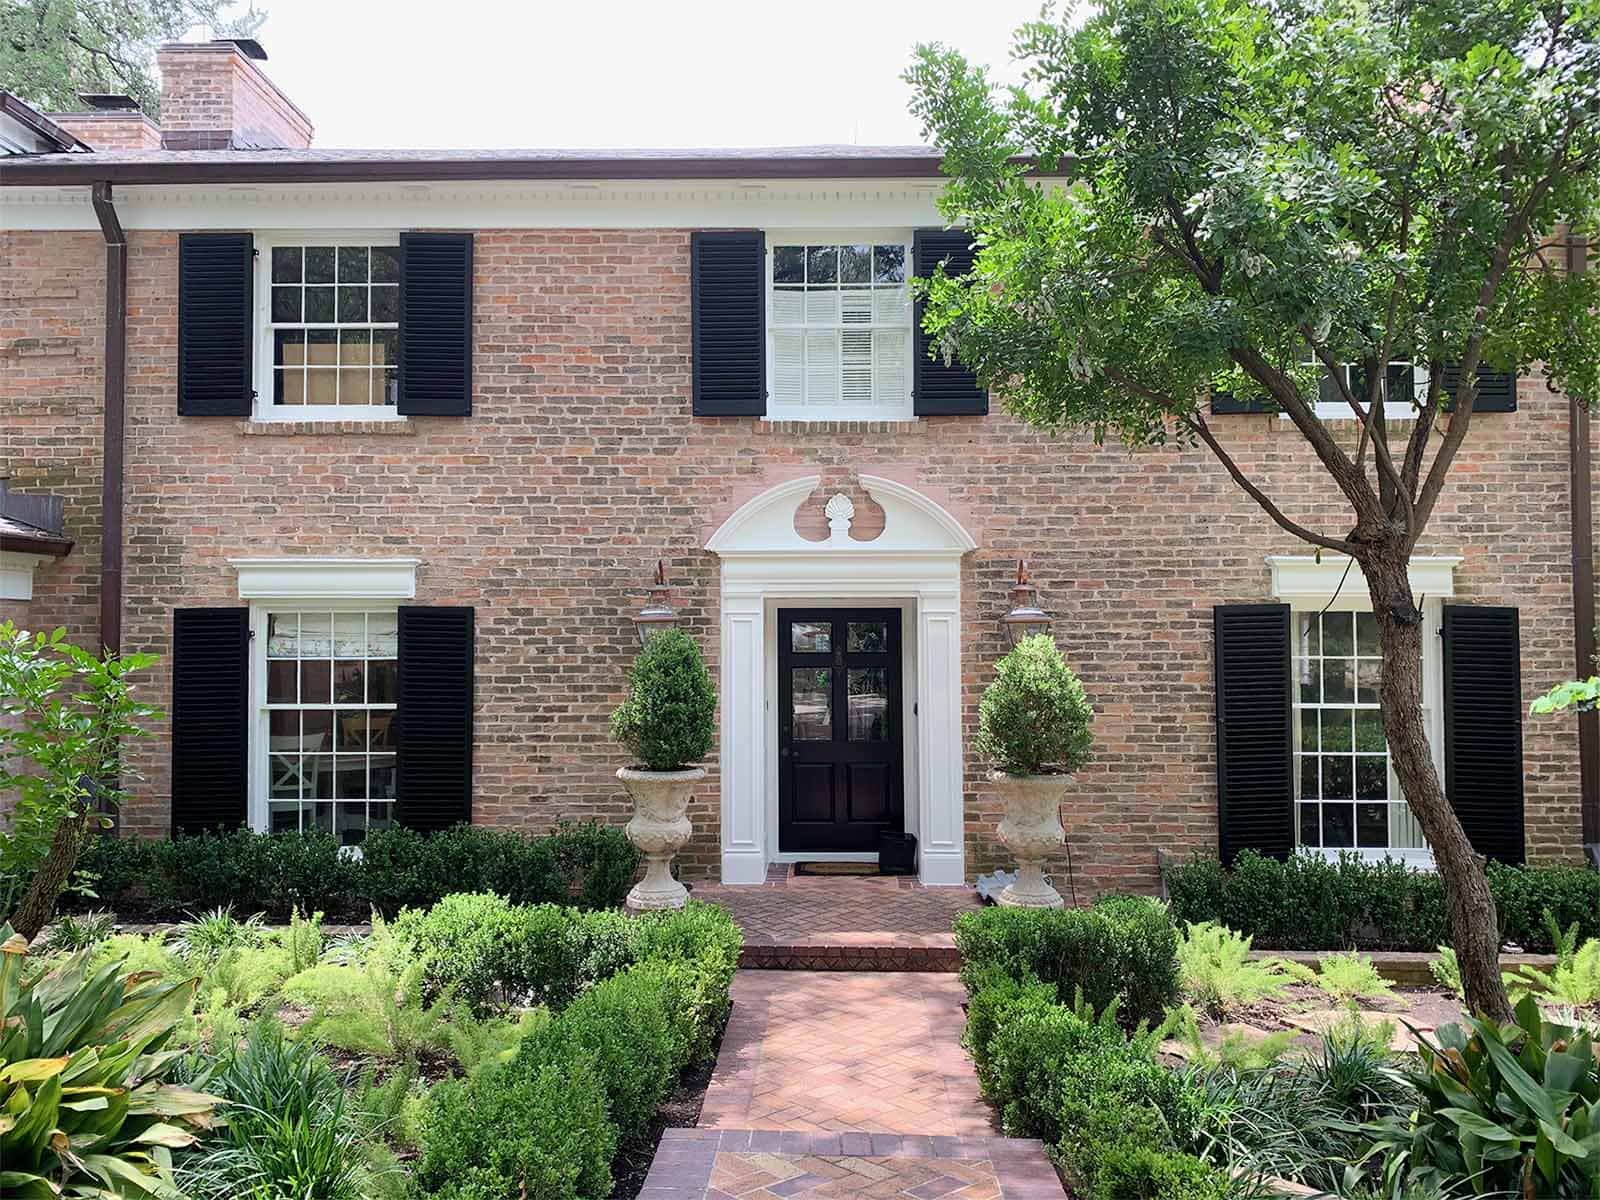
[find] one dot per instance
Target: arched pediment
(912, 523)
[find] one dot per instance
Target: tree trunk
(38, 903)
(1474, 927)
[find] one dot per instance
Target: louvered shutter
(435, 324)
(1227, 404)
(1483, 727)
(434, 762)
(1497, 390)
(216, 274)
(210, 718)
(727, 285)
(939, 389)
(1255, 711)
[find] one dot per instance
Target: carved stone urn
(659, 828)
(1031, 830)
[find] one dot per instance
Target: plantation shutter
(1497, 390)
(1483, 727)
(210, 718)
(215, 284)
(727, 286)
(938, 389)
(434, 762)
(1255, 711)
(435, 324)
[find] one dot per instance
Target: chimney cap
(109, 101)
(248, 47)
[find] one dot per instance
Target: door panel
(839, 738)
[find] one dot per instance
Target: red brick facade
(111, 130)
(581, 465)
(214, 98)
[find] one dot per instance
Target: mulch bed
(680, 1110)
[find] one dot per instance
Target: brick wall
(111, 130)
(213, 98)
(581, 465)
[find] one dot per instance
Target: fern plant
(1234, 1049)
(1573, 981)
(304, 940)
(1446, 972)
(1219, 975)
(1347, 977)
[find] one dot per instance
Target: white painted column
(941, 843)
(744, 745)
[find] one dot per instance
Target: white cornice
(1303, 577)
(326, 578)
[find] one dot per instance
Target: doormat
(836, 868)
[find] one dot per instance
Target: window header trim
(1300, 577)
(326, 578)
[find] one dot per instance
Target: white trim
(915, 561)
(319, 579)
(1302, 577)
(16, 573)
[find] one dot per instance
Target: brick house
(403, 435)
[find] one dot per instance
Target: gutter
(116, 358)
(1581, 487)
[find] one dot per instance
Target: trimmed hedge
(1309, 902)
(549, 1122)
(1124, 948)
(590, 866)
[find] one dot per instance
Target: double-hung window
(840, 327)
(1406, 385)
(330, 341)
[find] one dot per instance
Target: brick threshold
(686, 1158)
(886, 952)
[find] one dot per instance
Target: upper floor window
(1406, 385)
(840, 326)
(331, 338)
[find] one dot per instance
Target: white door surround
(916, 560)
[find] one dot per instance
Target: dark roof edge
(49, 546)
(424, 170)
(25, 114)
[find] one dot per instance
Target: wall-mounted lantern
(1026, 618)
(657, 613)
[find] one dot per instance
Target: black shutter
(215, 284)
(434, 763)
(1483, 727)
(937, 389)
(435, 324)
(1255, 710)
(210, 718)
(1497, 390)
(727, 289)
(1227, 404)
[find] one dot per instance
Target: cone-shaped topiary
(1034, 718)
(668, 718)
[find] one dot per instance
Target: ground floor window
(1347, 795)
(329, 718)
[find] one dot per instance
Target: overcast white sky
(611, 73)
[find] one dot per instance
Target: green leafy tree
(51, 50)
(1270, 196)
(64, 714)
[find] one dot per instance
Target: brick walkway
(875, 923)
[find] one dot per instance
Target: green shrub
(68, 933)
(1034, 718)
(620, 1030)
(1574, 980)
(1219, 975)
(1308, 902)
(1123, 949)
(1345, 977)
(527, 1129)
(704, 938)
(993, 995)
(1129, 1170)
(668, 720)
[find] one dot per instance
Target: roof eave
(49, 547)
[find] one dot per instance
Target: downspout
(115, 404)
(1583, 616)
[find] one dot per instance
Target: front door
(840, 764)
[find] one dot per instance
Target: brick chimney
(110, 122)
(215, 96)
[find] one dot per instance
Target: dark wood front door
(840, 763)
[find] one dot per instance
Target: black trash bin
(897, 853)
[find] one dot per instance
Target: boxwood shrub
(1123, 948)
(589, 866)
(1308, 902)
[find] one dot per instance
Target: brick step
(853, 952)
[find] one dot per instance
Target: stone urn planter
(1031, 830)
(659, 828)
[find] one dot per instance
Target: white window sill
(1417, 859)
(841, 423)
(324, 426)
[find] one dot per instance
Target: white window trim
(1307, 585)
(903, 411)
(1340, 410)
(264, 409)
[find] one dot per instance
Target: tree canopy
(1261, 189)
(53, 50)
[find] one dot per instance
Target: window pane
(319, 264)
(381, 728)
(322, 387)
(1338, 821)
(1338, 636)
(286, 304)
(316, 681)
(385, 304)
(289, 386)
(284, 818)
(352, 303)
(868, 637)
(381, 775)
(1369, 731)
(352, 264)
(855, 264)
(1335, 724)
(349, 681)
(283, 635)
(350, 778)
(788, 264)
(317, 781)
(1372, 825)
(1307, 635)
(1336, 777)
(286, 264)
(317, 818)
(316, 730)
(1337, 679)
(289, 347)
(352, 726)
(1367, 635)
(385, 264)
(1308, 729)
(811, 690)
(355, 386)
(811, 637)
(349, 634)
(281, 682)
(319, 304)
(1368, 673)
(322, 347)
(822, 264)
(889, 264)
(1310, 833)
(1372, 777)
(868, 689)
(382, 635)
(383, 682)
(1310, 785)
(385, 345)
